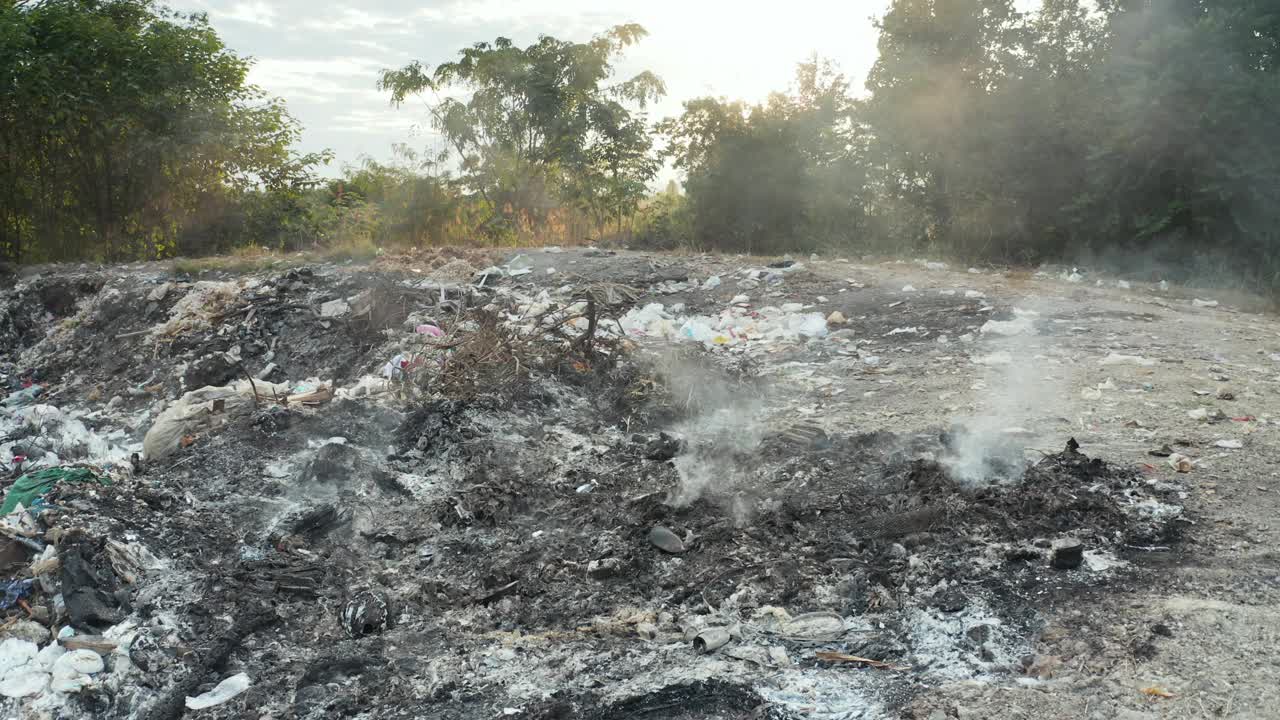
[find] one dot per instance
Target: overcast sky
(323, 58)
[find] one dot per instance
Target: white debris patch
(203, 303)
(733, 326)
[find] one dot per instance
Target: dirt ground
(435, 550)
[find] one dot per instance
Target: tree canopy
(119, 120)
(543, 124)
(987, 129)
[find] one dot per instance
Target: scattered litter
(1022, 324)
(334, 308)
(1116, 358)
(519, 265)
(1066, 554)
(733, 326)
(1204, 303)
(430, 330)
(665, 540)
(908, 288)
(1230, 444)
(1180, 462)
(836, 318)
(710, 640)
(1123, 284)
(221, 692)
(837, 657)
(29, 488)
(712, 283)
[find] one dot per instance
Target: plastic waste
(665, 540)
(711, 640)
(221, 692)
(334, 308)
(18, 684)
(1197, 302)
(34, 485)
(367, 612)
(836, 318)
(203, 410)
(1180, 462)
(429, 329)
(395, 367)
(23, 397)
(1123, 284)
(15, 652)
(809, 325)
(1231, 444)
(15, 590)
(85, 662)
(712, 283)
(519, 265)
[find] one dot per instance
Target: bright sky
(323, 58)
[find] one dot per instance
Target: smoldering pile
(515, 527)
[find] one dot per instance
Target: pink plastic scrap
(431, 330)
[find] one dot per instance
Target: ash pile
(320, 493)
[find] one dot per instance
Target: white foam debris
(1116, 358)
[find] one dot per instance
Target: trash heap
(736, 325)
(314, 492)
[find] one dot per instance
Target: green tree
(786, 174)
(120, 121)
(541, 125)
(939, 63)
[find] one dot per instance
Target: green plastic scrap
(32, 486)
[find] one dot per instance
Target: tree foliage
(542, 125)
(1118, 128)
(782, 174)
(122, 123)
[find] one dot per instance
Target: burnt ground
(477, 549)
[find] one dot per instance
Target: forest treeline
(1145, 131)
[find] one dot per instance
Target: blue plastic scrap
(15, 590)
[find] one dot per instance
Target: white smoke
(1012, 395)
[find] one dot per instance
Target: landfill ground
(465, 485)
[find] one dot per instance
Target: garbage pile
(735, 325)
(315, 492)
